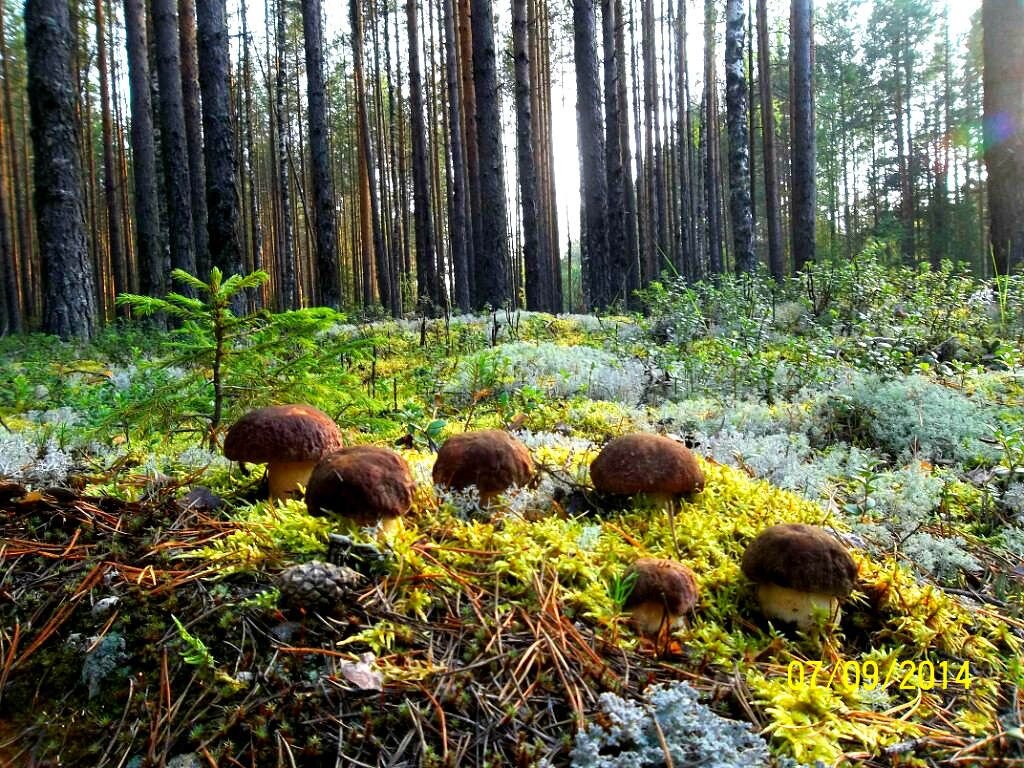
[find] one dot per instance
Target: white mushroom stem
(801, 608)
(650, 616)
(285, 477)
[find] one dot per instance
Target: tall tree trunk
(426, 272)
(289, 292)
(591, 144)
(491, 251)
(173, 139)
(111, 195)
(328, 270)
(152, 255)
(1003, 25)
(222, 199)
(619, 265)
(387, 286)
(460, 229)
(802, 138)
(465, 30)
(255, 229)
(710, 142)
(740, 208)
(20, 292)
(194, 132)
(69, 301)
(536, 284)
(776, 263)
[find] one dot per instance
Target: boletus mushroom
(801, 571)
(490, 459)
(289, 439)
(652, 465)
(363, 483)
(663, 592)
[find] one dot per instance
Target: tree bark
(619, 253)
(536, 285)
(173, 138)
(118, 259)
(740, 208)
(491, 250)
(288, 296)
(594, 260)
(710, 144)
(223, 202)
(776, 263)
(152, 255)
(426, 272)
(69, 301)
(460, 229)
(802, 133)
(194, 132)
(328, 271)
(1003, 25)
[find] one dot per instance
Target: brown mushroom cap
(664, 582)
(491, 459)
(282, 433)
(364, 483)
(800, 557)
(646, 463)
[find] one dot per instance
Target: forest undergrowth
(141, 623)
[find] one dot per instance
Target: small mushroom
(364, 483)
(289, 439)
(663, 593)
(655, 466)
(801, 571)
(491, 459)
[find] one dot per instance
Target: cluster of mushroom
(369, 485)
(802, 572)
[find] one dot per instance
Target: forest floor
(141, 625)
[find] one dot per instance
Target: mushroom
(491, 459)
(641, 463)
(801, 572)
(664, 591)
(364, 483)
(289, 439)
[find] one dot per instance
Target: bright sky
(567, 174)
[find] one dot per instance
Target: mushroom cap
(289, 433)
(665, 582)
(490, 459)
(646, 463)
(800, 557)
(362, 482)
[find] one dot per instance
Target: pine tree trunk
(255, 229)
(194, 132)
(386, 282)
(328, 271)
(740, 208)
(491, 250)
(426, 272)
(222, 199)
(460, 228)
(465, 30)
(595, 272)
(173, 139)
(536, 286)
(152, 256)
(710, 144)
(110, 193)
(802, 138)
(20, 298)
(776, 263)
(69, 302)
(615, 174)
(289, 292)
(1003, 24)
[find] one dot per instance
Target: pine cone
(317, 586)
